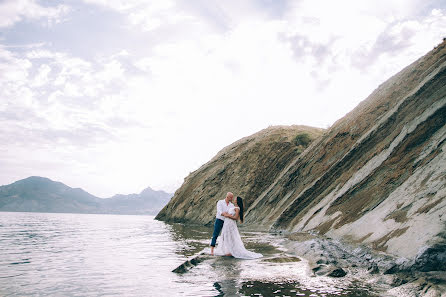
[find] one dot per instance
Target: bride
(230, 242)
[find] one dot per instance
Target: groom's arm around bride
(219, 220)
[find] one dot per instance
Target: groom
(222, 206)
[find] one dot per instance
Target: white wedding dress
(230, 242)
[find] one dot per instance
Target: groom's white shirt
(222, 207)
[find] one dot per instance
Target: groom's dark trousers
(217, 228)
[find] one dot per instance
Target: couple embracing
(229, 210)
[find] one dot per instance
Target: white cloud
(112, 70)
(119, 5)
(147, 15)
(41, 53)
(13, 69)
(42, 76)
(13, 11)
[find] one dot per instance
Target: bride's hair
(240, 204)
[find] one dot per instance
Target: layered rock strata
(246, 167)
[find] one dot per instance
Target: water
(45, 254)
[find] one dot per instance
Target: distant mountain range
(40, 194)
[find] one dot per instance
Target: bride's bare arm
(234, 217)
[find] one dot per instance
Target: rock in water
(338, 272)
(283, 259)
(191, 263)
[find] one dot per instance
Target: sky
(113, 96)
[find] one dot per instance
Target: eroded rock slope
(247, 168)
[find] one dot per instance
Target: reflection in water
(116, 255)
(259, 288)
(190, 239)
(218, 288)
(229, 271)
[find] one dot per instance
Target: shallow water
(46, 254)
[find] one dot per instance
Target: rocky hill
(247, 168)
(39, 194)
(377, 177)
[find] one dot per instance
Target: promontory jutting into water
(44, 254)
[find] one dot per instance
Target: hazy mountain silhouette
(40, 194)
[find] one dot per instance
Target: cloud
(371, 39)
(55, 88)
(112, 70)
(42, 76)
(402, 41)
(147, 15)
(13, 69)
(302, 47)
(14, 11)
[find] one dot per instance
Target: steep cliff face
(377, 176)
(246, 167)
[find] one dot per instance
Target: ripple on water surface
(44, 254)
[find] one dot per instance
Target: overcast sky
(116, 95)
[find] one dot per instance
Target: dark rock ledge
(423, 276)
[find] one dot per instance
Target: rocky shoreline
(336, 258)
(325, 258)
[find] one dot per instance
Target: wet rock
(286, 259)
(373, 269)
(398, 281)
(338, 272)
(409, 289)
(432, 259)
(321, 261)
(317, 268)
(180, 269)
(393, 269)
(321, 270)
(191, 263)
(437, 277)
